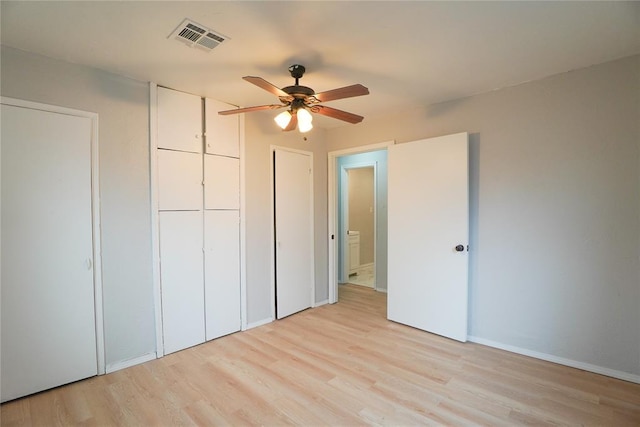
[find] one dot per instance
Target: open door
(428, 229)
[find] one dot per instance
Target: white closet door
(47, 310)
(179, 121)
(221, 182)
(223, 132)
(222, 272)
(294, 232)
(181, 279)
(179, 180)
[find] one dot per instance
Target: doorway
(371, 156)
(358, 211)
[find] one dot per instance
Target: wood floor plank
(341, 364)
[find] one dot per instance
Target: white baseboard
(384, 291)
(130, 362)
(318, 304)
(258, 323)
(559, 360)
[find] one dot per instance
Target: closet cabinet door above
(179, 121)
(221, 182)
(179, 181)
(223, 132)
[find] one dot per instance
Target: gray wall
(555, 209)
(123, 108)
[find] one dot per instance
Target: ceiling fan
(301, 100)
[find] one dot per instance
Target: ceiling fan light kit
(302, 101)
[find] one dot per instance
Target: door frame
(95, 213)
(344, 215)
(312, 296)
(332, 204)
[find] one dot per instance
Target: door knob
(459, 248)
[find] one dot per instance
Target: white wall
(555, 209)
(123, 108)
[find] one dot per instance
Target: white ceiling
(407, 53)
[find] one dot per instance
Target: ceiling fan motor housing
(297, 71)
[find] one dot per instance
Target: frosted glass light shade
(304, 116)
(283, 119)
(304, 126)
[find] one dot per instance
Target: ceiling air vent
(196, 35)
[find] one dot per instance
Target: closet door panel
(223, 132)
(179, 180)
(222, 272)
(221, 182)
(182, 279)
(179, 121)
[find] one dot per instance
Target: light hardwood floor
(341, 364)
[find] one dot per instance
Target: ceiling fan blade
(262, 83)
(343, 92)
(337, 114)
(292, 123)
(249, 109)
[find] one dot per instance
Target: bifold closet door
(48, 315)
(222, 272)
(181, 279)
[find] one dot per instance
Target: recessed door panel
(222, 272)
(179, 180)
(182, 279)
(221, 182)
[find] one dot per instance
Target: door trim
(332, 208)
(272, 150)
(95, 213)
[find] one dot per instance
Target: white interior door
(222, 272)
(428, 218)
(293, 232)
(182, 279)
(48, 317)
